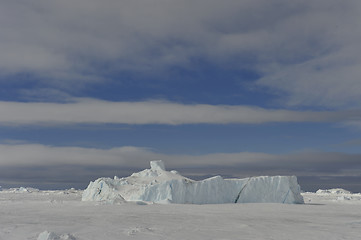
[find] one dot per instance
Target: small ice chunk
(47, 236)
(53, 236)
(22, 189)
(157, 165)
(343, 198)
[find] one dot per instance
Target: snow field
(27, 215)
(126, 208)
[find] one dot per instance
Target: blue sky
(238, 88)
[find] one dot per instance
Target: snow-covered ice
(333, 191)
(22, 190)
(161, 186)
(334, 195)
(31, 215)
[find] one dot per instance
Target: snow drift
(161, 186)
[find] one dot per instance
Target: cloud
(309, 50)
(332, 80)
(320, 63)
(81, 38)
(37, 155)
(94, 111)
(352, 124)
(40, 164)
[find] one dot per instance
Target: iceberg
(161, 186)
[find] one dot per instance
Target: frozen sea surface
(28, 214)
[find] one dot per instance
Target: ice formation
(333, 191)
(161, 186)
(21, 190)
(338, 194)
(53, 236)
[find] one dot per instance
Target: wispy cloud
(353, 142)
(155, 112)
(331, 80)
(310, 50)
(353, 124)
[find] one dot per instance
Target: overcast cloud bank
(40, 164)
(156, 112)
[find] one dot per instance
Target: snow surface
(26, 215)
(160, 186)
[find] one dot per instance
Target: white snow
(62, 214)
(160, 186)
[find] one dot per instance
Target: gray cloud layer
(40, 164)
(155, 112)
(309, 50)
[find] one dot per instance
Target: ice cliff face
(158, 185)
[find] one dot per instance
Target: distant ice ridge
(333, 191)
(21, 190)
(334, 195)
(339, 194)
(161, 186)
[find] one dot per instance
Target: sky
(240, 88)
